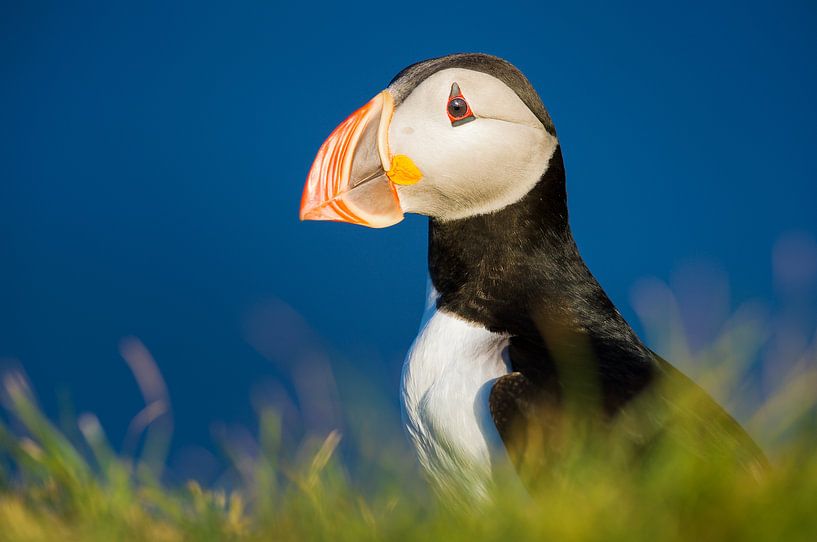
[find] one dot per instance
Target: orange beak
(348, 181)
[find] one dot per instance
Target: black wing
(537, 407)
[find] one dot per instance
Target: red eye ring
(458, 110)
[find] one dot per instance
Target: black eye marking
(459, 112)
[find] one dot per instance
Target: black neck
(490, 268)
(518, 271)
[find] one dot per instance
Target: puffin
(517, 331)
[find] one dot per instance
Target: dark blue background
(152, 157)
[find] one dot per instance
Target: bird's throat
(489, 268)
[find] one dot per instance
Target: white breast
(447, 379)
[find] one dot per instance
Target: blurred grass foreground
(69, 483)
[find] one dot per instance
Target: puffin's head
(451, 137)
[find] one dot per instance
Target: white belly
(447, 379)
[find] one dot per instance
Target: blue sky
(153, 157)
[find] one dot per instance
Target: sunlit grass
(354, 486)
(54, 489)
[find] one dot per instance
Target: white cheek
(472, 169)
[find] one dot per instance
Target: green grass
(54, 489)
(68, 484)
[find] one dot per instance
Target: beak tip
(317, 212)
(306, 214)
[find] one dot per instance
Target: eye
(457, 108)
(459, 112)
